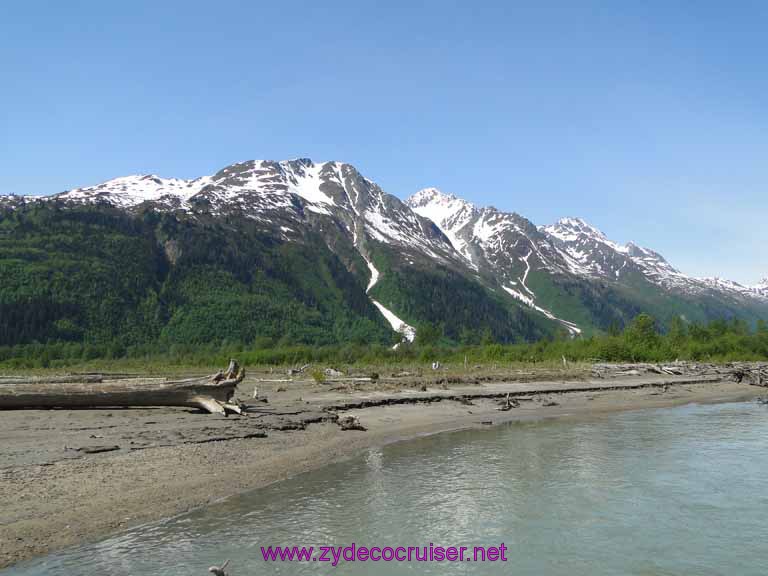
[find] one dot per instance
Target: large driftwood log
(211, 393)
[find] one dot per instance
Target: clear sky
(648, 119)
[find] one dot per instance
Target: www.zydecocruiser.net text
(355, 553)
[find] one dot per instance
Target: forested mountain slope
(271, 253)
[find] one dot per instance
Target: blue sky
(648, 119)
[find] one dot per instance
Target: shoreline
(52, 498)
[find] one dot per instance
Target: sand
(171, 460)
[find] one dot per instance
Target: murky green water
(680, 491)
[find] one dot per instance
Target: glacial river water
(678, 491)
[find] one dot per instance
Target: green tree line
(643, 340)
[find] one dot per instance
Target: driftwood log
(756, 375)
(219, 570)
(211, 393)
(350, 423)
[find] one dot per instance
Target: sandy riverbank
(173, 460)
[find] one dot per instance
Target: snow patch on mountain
(589, 252)
(496, 235)
(530, 299)
(129, 191)
(517, 295)
(585, 249)
(572, 328)
(255, 177)
(263, 185)
(451, 214)
(266, 191)
(306, 183)
(445, 210)
(503, 239)
(385, 229)
(761, 289)
(408, 332)
(572, 229)
(525, 274)
(374, 275)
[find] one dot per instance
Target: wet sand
(170, 460)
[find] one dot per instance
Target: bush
(641, 341)
(318, 376)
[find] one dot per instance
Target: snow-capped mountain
(570, 245)
(506, 246)
(595, 255)
(513, 249)
(417, 256)
(131, 191)
(589, 252)
(762, 287)
(287, 197)
(485, 235)
(586, 250)
(261, 189)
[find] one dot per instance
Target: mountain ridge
(433, 258)
(119, 191)
(567, 230)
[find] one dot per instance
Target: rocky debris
(293, 371)
(333, 373)
(730, 370)
(523, 394)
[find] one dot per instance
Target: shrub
(318, 376)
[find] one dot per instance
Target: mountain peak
(566, 228)
(430, 195)
(127, 191)
(438, 206)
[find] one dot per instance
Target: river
(676, 491)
